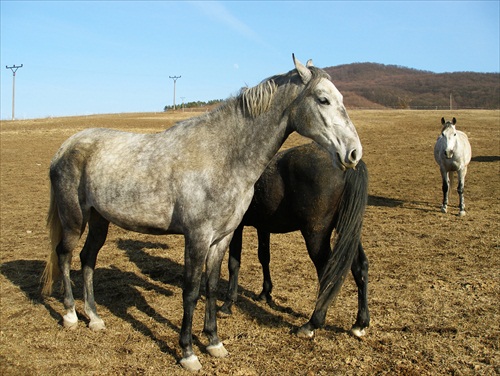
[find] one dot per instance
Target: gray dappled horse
(452, 152)
(301, 189)
(196, 178)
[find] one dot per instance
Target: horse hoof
(262, 298)
(97, 325)
(191, 363)
(217, 351)
(358, 332)
(305, 333)
(462, 213)
(224, 311)
(443, 210)
(70, 320)
(70, 325)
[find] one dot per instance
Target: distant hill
(371, 85)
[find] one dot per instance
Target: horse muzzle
(350, 160)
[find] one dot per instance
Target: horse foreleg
(234, 263)
(359, 269)
(445, 187)
(193, 268)
(460, 190)
(213, 266)
(265, 259)
(98, 231)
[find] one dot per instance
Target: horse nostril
(353, 156)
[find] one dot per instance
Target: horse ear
(309, 63)
(443, 121)
(454, 121)
(304, 72)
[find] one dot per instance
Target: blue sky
(89, 57)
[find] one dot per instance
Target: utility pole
(175, 80)
(14, 69)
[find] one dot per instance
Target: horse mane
(257, 100)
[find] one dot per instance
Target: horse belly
(132, 201)
(144, 216)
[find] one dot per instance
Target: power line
(14, 69)
(175, 80)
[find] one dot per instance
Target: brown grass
(434, 278)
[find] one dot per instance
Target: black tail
(349, 226)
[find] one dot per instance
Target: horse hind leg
(98, 231)
(359, 269)
(66, 223)
(318, 247)
(64, 251)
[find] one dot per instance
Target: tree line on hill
(192, 105)
(372, 85)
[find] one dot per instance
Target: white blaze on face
(338, 134)
(450, 140)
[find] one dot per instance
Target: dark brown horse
(301, 189)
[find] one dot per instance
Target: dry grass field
(434, 278)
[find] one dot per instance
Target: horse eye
(323, 100)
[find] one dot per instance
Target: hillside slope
(371, 85)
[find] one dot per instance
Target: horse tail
(348, 228)
(51, 272)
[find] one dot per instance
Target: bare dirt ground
(434, 278)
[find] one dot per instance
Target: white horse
(452, 152)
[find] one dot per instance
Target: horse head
(449, 135)
(320, 115)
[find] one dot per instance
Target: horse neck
(250, 141)
(253, 142)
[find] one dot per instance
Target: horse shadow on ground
(486, 158)
(384, 201)
(25, 274)
(167, 272)
(395, 203)
(120, 290)
(115, 289)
